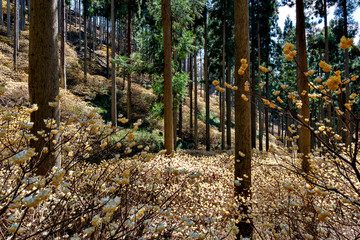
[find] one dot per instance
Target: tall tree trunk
(8, 20)
(191, 95)
(1, 13)
(75, 13)
(168, 98)
(22, 15)
(79, 25)
(347, 135)
(242, 117)
(207, 94)
(128, 102)
(327, 54)
(62, 47)
(107, 50)
(228, 105)
(28, 4)
(195, 102)
(113, 73)
(222, 95)
(44, 79)
(267, 140)
(304, 133)
(261, 124)
(253, 94)
(180, 121)
(86, 44)
(90, 36)
(16, 32)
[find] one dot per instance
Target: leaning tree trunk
(44, 79)
(242, 117)
(168, 98)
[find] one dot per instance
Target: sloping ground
(84, 93)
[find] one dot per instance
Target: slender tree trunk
(222, 95)
(253, 94)
(75, 13)
(180, 121)
(44, 79)
(267, 145)
(242, 117)
(195, 102)
(113, 73)
(16, 32)
(128, 102)
(347, 135)
(107, 50)
(327, 54)
(90, 28)
(228, 105)
(86, 44)
(62, 47)
(168, 98)
(261, 124)
(79, 25)
(191, 96)
(8, 20)
(28, 4)
(1, 13)
(94, 35)
(206, 76)
(304, 133)
(22, 15)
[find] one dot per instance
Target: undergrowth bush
(98, 195)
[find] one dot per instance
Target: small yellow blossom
(345, 43)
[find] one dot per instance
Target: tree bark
(206, 76)
(79, 25)
(128, 102)
(195, 102)
(44, 79)
(228, 106)
(261, 124)
(168, 98)
(191, 95)
(8, 20)
(347, 135)
(242, 116)
(113, 73)
(1, 13)
(62, 47)
(304, 133)
(16, 32)
(222, 95)
(107, 50)
(267, 140)
(86, 43)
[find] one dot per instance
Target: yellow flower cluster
(345, 43)
(243, 67)
(289, 52)
(324, 66)
(264, 69)
(334, 81)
